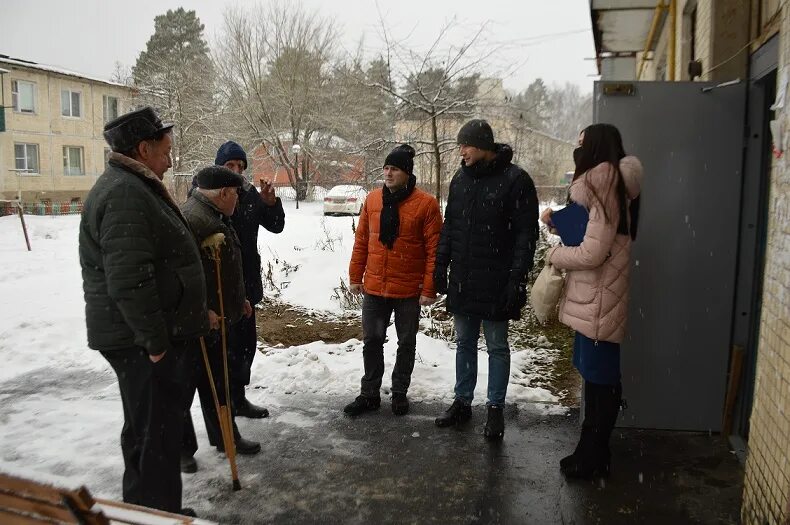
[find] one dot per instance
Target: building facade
(746, 43)
(51, 147)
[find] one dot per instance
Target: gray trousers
(376, 314)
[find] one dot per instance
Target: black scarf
(390, 221)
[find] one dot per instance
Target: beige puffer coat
(595, 299)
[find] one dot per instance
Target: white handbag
(546, 292)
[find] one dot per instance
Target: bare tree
(438, 86)
(275, 65)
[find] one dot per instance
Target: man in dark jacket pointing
(145, 301)
(488, 242)
(253, 211)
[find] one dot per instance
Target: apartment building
(51, 144)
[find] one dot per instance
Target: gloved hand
(440, 279)
(515, 296)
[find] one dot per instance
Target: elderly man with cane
(208, 212)
(145, 301)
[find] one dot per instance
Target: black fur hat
(127, 131)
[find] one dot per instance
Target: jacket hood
(631, 170)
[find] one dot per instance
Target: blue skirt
(597, 362)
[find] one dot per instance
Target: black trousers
(240, 355)
(376, 314)
(200, 382)
(153, 403)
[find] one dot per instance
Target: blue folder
(571, 223)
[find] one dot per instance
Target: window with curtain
(26, 157)
(23, 96)
(110, 105)
(72, 160)
(70, 103)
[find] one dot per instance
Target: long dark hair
(603, 143)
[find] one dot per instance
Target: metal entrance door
(689, 138)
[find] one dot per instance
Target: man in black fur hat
(145, 301)
(488, 242)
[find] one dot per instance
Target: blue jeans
(467, 331)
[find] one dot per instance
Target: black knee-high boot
(591, 457)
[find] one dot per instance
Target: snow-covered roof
(5, 59)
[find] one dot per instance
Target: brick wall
(767, 482)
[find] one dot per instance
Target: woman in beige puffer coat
(595, 299)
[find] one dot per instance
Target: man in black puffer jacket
(488, 241)
(145, 301)
(253, 211)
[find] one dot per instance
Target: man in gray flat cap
(208, 211)
(145, 301)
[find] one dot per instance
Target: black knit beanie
(401, 157)
(477, 133)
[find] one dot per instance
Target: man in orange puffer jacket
(392, 265)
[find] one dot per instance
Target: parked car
(345, 199)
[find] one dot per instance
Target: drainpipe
(673, 28)
(660, 7)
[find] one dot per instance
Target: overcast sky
(542, 38)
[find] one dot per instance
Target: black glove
(440, 279)
(515, 296)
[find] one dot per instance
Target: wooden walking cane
(212, 244)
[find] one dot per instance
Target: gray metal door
(676, 353)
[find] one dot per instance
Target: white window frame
(105, 107)
(67, 157)
(15, 96)
(71, 93)
(24, 171)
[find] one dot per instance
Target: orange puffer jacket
(407, 269)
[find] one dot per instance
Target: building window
(110, 105)
(23, 96)
(72, 160)
(26, 158)
(70, 103)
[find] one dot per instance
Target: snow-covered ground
(70, 405)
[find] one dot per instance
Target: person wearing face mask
(392, 265)
(488, 243)
(595, 299)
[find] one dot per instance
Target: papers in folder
(571, 223)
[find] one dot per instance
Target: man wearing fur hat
(145, 301)
(488, 242)
(392, 265)
(208, 210)
(253, 211)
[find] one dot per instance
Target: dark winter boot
(495, 424)
(361, 405)
(244, 447)
(246, 409)
(188, 463)
(591, 457)
(458, 414)
(188, 511)
(400, 404)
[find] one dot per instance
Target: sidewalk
(319, 466)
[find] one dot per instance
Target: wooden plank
(108, 507)
(14, 485)
(10, 518)
(37, 508)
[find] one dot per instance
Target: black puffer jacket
(205, 219)
(252, 213)
(488, 238)
(141, 270)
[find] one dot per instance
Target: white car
(345, 199)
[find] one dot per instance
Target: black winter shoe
(495, 424)
(246, 409)
(188, 464)
(400, 404)
(458, 414)
(361, 405)
(244, 447)
(186, 511)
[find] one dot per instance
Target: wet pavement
(319, 466)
